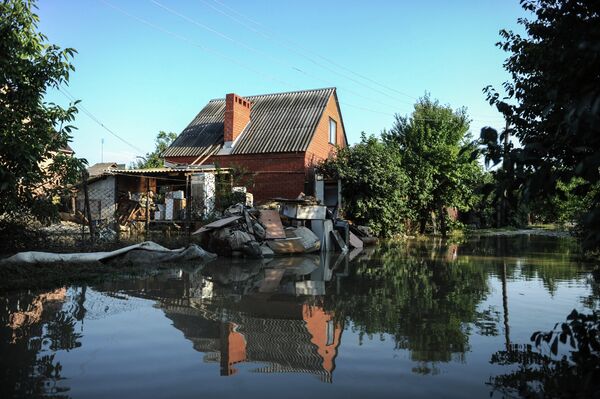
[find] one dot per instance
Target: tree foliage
(154, 159)
(552, 103)
(421, 166)
(436, 154)
(374, 185)
(32, 132)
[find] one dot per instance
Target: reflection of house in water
(288, 336)
(287, 333)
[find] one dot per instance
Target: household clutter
(281, 227)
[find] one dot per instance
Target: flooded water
(417, 319)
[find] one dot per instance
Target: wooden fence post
(88, 211)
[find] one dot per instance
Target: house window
(330, 331)
(332, 131)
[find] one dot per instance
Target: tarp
(145, 252)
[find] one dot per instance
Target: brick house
(277, 137)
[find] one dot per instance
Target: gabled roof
(279, 122)
(99, 168)
(67, 149)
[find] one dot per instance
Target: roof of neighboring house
(279, 122)
(67, 149)
(99, 168)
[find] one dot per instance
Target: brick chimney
(237, 116)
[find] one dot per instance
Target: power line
(319, 55)
(219, 54)
(253, 49)
(277, 60)
(283, 43)
(193, 43)
(279, 38)
(65, 92)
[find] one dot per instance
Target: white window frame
(332, 132)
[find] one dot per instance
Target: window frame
(334, 122)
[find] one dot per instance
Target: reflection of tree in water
(32, 329)
(543, 372)
(427, 303)
(551, 259)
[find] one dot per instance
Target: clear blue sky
(141, 77)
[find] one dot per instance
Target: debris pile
(281, 227)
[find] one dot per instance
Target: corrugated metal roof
(151, 171)
(279, 122)
(203, 136)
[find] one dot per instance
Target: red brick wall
(274, 175)
(320, 148)
(237, 116)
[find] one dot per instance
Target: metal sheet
(279, 122)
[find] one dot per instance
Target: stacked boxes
(174, 205)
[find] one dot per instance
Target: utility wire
(283, 43)
(193, 43)
(329, 60)
(290, 45)
(275, 59)
(332, 62)
(219, 54)
(92, 117)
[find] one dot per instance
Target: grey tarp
(145, 252)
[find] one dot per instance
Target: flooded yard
(423, 318)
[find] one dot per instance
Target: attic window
(332, 132)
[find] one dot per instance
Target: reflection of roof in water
(285, 344)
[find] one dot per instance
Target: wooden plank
(287, 246)
(272, 222)
(354, 241)
(217, 224)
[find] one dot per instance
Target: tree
(552, 103)
(32, 132)
(436, 155)
(374, 185)
(154, 159)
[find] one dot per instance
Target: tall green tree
(552, 103)
(154, 159)
(374, 185)
(32, 131)
(437, 156)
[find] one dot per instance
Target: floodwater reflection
(420, 309)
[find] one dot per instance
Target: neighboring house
(53, 181)
(278, 137)
(99, 168)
